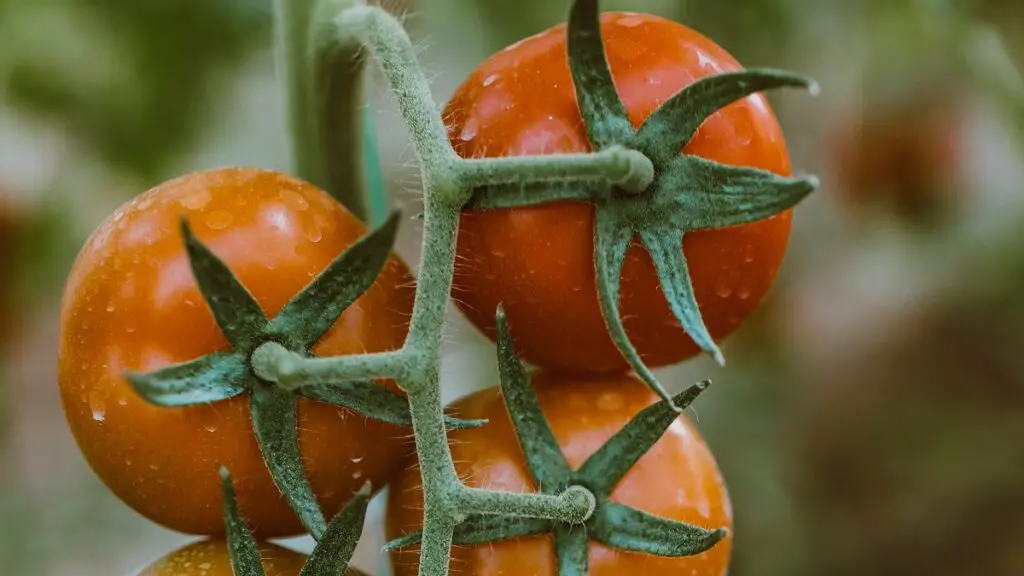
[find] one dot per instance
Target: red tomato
(677, 479)
(131, 303)
(539, 261)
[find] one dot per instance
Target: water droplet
(312, 232)
(119, 215)
(357, 474)
(469, 129)
(744, 294)
(724, 291)
(358, 459)
(122, 401)
(744, 132)
(98, 405)
(196, 201)
(610, 401)
(111, 307)
(219, 219)
(748, 258)
(210, 427)
(294, 200)
(490, 79)
(630, 21)
(498, 253)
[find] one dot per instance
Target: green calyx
(686, 193)
(296, 329)
(331, 555)
(610, 523)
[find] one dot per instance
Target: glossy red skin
(131, 303)
(678, 479)
(539, 261)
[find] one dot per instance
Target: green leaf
(503, 196)
(211, 378)
(603, 470)
(334, 550)
(612, 238)
(666, 249)
(603, 112)
(544, 456)
(374, 401)
(717, 195)
(237, 313)
(630, 529)
(482, 529)
(276, 428)
(669, 128)
(242, 545)
(571, 550)
(312, 312)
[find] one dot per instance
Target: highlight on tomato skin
(132, 304)
(677, 479)
(538, 261)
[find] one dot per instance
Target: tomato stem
(323, 76)
(575, 505)
(291, 371)
(628, 169)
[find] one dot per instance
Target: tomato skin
(211, 558)
(131, 303)
(678, 478)
(538, 262)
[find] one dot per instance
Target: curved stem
(324, 90)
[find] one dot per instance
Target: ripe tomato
(131, 303)
(211, 558)
(539, 261)
(677, 479)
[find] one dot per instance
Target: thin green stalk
(574, 505)
(275, 363)
(629, 169)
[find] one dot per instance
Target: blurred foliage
(130, 80)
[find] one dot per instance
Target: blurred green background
(871, 417)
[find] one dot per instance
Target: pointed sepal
(666, 249)
(669, 128)
(374, 401)
(718, 195)
(236, 312)
(627, 528)
(606, 467)
(612, 239)
(310, 314)
(571, 549)
(603, 112)
(210, 378)
(482, 529)
(334, 550)
(544, 457)
(275, 423)
(242, 546)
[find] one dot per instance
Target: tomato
(131, 303)
(211, 558)
(677, 479)
(539, 261)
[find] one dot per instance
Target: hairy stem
(291, 371)
(628, 169)
(575, 505)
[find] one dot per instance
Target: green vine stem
(619, 177)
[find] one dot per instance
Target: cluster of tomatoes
(132, 304)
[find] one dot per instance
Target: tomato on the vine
(211, 558)
(132, 304)
(677, 479)
(538, 262)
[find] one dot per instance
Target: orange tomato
(211, 558)
(677, 479)
(538, 262)
(131, 303)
